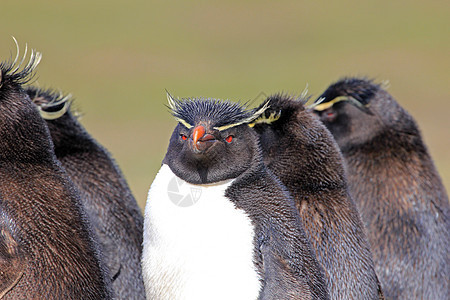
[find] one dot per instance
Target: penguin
(106, 197)
(298, 148)
(217, 223)
(396, 187)
(46, 247)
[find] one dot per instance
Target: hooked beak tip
(198, 133)
(200, 140)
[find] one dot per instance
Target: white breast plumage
(197, 244)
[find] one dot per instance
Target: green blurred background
(117, 57)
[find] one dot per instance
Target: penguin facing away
(217, 224)
(46, 247)
(112, 210)
(396, 187)
(303, 155)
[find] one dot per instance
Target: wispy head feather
(357, 91)
(14, 71)
(322, 105)
(172, 106)
(170, 100)
(255, 115)
(51, 105)
(220, 114)
(304, 94)
(282, 106)
(266, 119)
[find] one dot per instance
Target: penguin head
(271, 124)
(23, 134)
(56, 109)
(51, 104)
(356, 110)
(212, 141)
(290, 134)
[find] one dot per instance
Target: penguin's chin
(202, 175)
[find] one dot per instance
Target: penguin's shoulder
(259, 190)
(284, 254)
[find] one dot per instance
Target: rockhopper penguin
(112, 210)
(301, 152)
(239, 235)
(46, 247)
(395, 185)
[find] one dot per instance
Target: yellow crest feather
(322, 106)
(254, 116)
(56, 114)
(266, 120)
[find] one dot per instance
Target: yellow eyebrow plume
(267, 120)
(326, 105)
(254, 116)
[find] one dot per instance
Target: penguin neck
(386, 165)
(388, 144)
(70, 137)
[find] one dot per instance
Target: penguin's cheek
(329, 115)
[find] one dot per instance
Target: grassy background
(117, 57)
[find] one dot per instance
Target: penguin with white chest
(218, 225)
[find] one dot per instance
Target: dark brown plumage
(302, 153)
(395, 184)
(46, 249)
(112, 210)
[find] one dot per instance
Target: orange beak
(201, 140)
(198, 133)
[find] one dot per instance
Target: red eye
(330, 116)
(229, 139)
(183, 137)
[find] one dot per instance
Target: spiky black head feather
(219, 114)
(212, 141)
(12, 73)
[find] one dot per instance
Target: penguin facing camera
(396, 187)
(240, 236)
